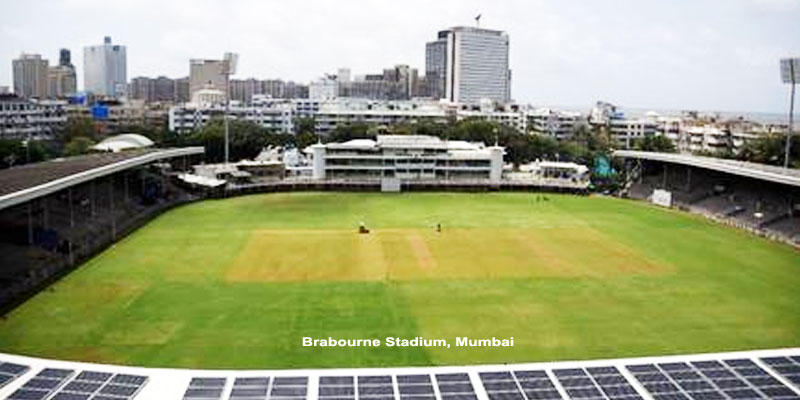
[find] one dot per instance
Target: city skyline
(710, 56)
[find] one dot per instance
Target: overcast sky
(678, 54)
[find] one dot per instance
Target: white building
(187, 117)
(324, 88)
(208, 97)
(105, 69)
(407, 158)
(559, 125)
(477, 65)
(626, 131)
(22, 119)
(348, 111)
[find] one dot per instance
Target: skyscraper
(105, 69)
(64, 57)
(476, 65)
(30, 76)
(61, 78)
(436, 65)
(206, 72)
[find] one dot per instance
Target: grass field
(237, 283)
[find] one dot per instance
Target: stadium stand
(759, 374)
(55, 214)
(760, 198)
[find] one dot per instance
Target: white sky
(677, 54)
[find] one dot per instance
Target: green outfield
(238, 283)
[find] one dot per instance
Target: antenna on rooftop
(478, 20)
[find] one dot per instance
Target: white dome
(124, 141)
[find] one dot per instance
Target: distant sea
(763, 117)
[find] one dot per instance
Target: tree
(77, 146)
(18, 152)
(77, 127)
(304, 125)
(246, 139)
(655, 143)
(356, 130)
(305, 139)
(770, 149)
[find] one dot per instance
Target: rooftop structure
(758, 374)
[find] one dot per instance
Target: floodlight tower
(790, 73)
(228, 69)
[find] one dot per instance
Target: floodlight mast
(228, 68)
(790, 69)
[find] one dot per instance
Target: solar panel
(43, 385)
(787, 367)
(205, 388)
(336, 388)
(289, 388)
(710, 380)
(537, 385)
(501, 386)
(612, 383)
(94, 385)
(250, 388)
(455, 386)
(10, 371)
(415, 387)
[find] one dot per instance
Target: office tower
(476, 65)
(436, 65)
(206, 72)
(65, 57)
(61, 81)
(105, 69)
(30, 76)
(182, 90)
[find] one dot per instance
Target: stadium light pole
(228, 69)
(790, 73)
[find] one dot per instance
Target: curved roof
(124, 141)
(751, 170)
(27, 182)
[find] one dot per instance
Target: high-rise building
(105, 69)
(182, 90)
(396, 83)
(476, 65)
(206, 72)
(30, 76)
(153, 89)
(436, 66)
(61, 81)
(64, 57)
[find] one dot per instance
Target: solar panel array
(336, 388)
(44, 384)
(727, 379)
(251, 388)
(415, 387)
(710, 380)
(289, 388)
(10, 371)
(205, 388)
(788, 367)
(376, 387)
(596, 383)
(92, 385)
(455, 387)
